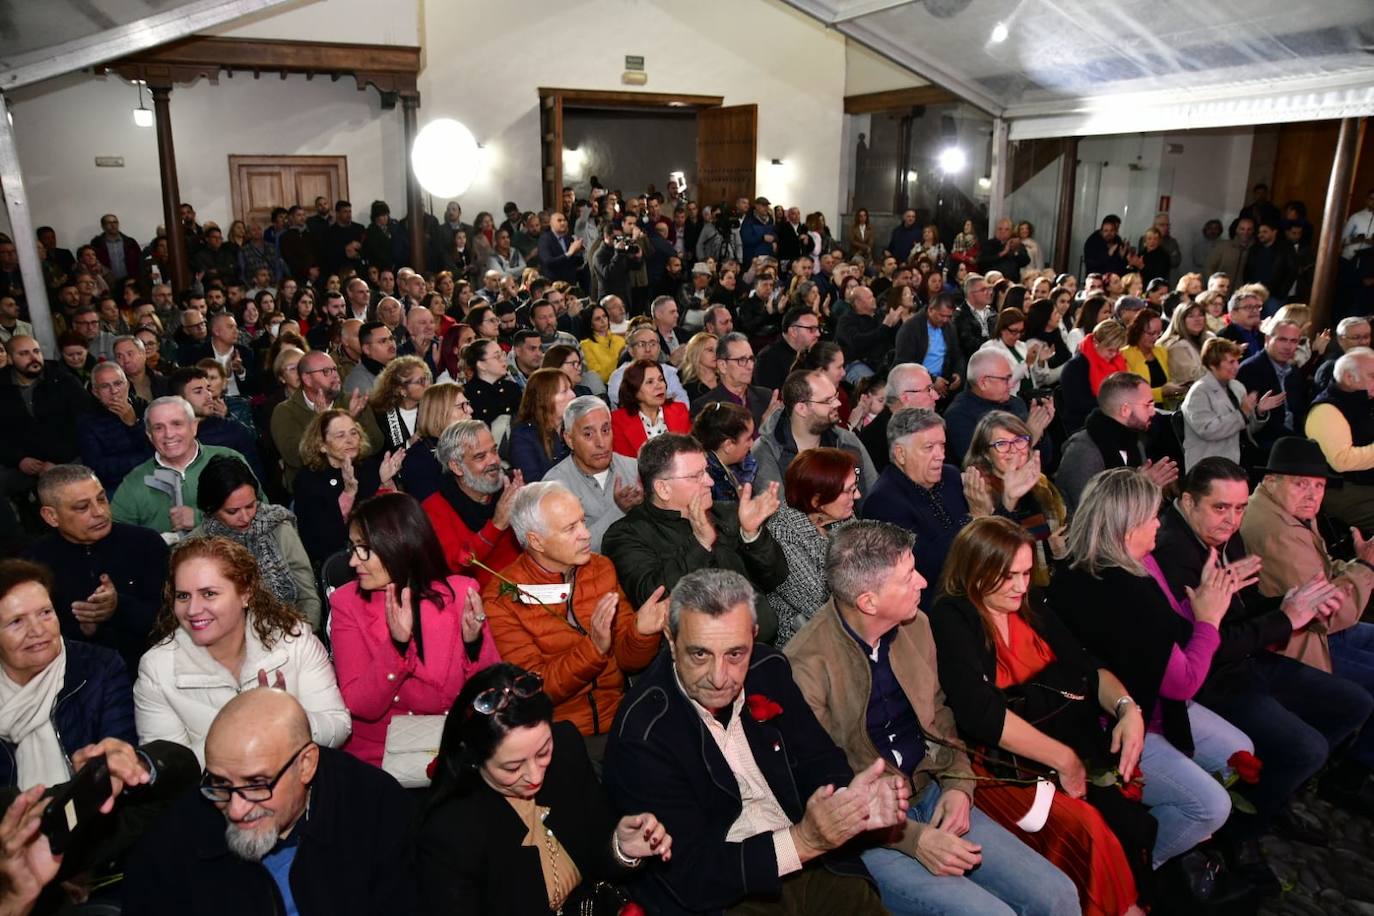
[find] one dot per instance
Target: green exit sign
(633, 62)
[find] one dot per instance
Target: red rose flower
(465, 557)
(762, 708)
(1132, 791)
(431, 769)
(1246, 765)
(631, 909)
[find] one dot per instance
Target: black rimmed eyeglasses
(254, 791)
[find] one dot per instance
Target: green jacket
(292, 416)
(136, 503)
(651, 546)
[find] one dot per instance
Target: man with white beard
(278, 824)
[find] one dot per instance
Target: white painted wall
(868, 71)
(62, 125)
(484, 65)
(375, 22)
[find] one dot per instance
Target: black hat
(1298, 457)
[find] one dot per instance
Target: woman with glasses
(1217, 410)
(396, 399)
(1029, 360)
(227, 496)
(568, 360)
(821, 487)
(489, 387)
(508, 778)
(406, 634)
(221, 632)
(1149, 360)
(536, 440)
(1001, 452)
(1025, 693)
(645, 409)
(333, 478)
(443, 405)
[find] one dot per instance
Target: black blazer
(1126, 621)
(661, 759)
(913, 339)
(1076, 398)
(1257, 373)
(471, 853)
(321, 526)
(355, 855)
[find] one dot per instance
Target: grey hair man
(606, 482)
(990, 377)
(472, 507)
(908, 385)
(1351, 332)
(643, 343)
(1340, 422)
(585, 670)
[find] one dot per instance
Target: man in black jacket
(107, 576)
(800, 329)
(1003, 253)
(1105, 250)
(40, 406)
(320, 832)
(865, 338)
(735, 370)
(1273, 370)
(914, 341)
(1294, 713)
(684, 742)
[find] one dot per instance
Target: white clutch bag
(412, 742)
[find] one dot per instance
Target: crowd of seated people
(684, 554)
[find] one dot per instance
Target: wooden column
(1063, 224)
(415, 215)
(1325, 278)
(171, 192)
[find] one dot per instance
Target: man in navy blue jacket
(107, 576)
(1272, 370)
(722, 712)
(560, 255)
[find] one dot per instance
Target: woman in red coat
(406, 634)
(645, 410)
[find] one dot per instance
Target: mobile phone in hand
(75, 805)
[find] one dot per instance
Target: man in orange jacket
(559, 610)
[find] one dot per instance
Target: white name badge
(557, 593)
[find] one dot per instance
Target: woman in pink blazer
(645, 410)
(406, 634)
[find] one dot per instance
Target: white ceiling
(1092, 66)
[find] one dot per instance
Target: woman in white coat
(1030, 364)
(221, 631)
(1217, 409)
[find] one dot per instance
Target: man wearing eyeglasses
(908, 385)
(278, 825)
(990, 378)
(1245, 309)
(735, 373)
(810, 418)
(800, 329)
(643, 344)
(111, 433)
(321, 388)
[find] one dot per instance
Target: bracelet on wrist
(627, 861)
(1123, 700)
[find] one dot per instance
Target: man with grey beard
(278, 824)
(471, 509)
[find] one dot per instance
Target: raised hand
(1162, 472)
(627, 496)
(774, 405)
(391, 466)
(603, 622)
(976, 493)
(1041, 415)
(1271, 400)
(356, 402)
(703, 529)
(652, 616)
(400, 613)
(1303, 602)
(1017, 482)
(100, 606)
(501, 516)
(27, 864)
(474, 616)
(1247, 403)
(350, 477)
(279, 683)
(755, 509)
(1059, 541)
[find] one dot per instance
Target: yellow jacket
(1135, 362)
(601, 356)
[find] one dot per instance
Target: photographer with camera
(615, 258)
(720, 235)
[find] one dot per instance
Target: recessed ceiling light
(999, 33)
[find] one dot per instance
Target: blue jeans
(1352, 658)
(1295, 714)
(1013, 878)
(1183, 795)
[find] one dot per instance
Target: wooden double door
(258, 184)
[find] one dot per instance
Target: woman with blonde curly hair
(220, 632)
(396, 398)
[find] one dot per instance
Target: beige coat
(1293, 552)
(832, 673)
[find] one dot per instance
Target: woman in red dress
(1023, 689)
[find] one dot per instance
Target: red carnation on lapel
(431, 769)
(761, 708)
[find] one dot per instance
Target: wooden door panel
(727, 153)
(257, 184)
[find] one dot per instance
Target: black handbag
(1060, 703)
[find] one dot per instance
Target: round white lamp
(445, 157)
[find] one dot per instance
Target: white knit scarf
(26, 721)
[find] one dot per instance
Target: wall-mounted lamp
(775, 162)
(142, 116)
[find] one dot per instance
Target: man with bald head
(277, 825)
(321, 388)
